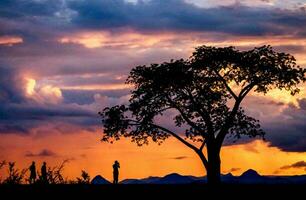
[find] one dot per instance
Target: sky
(63, 61)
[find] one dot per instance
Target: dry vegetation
(54, 175)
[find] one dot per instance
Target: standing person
(116, 167)
(44, 173)
(32, 169)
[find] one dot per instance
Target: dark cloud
(83, 97)
(10, 85)
(19, 114)
(13, 128)
(153, 15)
(179, 158)
(299, 164)
(29, 9)
(42, 153)
(284, 124)
(22, 118)
(288, 131)
(176, 15)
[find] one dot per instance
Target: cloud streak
(42, 153)
(299, 164)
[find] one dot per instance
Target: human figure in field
(32, 169)
(116, 167)
(44, 173)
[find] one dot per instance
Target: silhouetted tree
(55, 174)
(15, 176)
(84, 179)
(2, 164)
(206, 92)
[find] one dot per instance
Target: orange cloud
(10, 40)
(106, 39)
(42, 93)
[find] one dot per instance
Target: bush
(15, 176)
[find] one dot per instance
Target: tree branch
(226, 85)
(205, 117)
(246, 90)
(198, 151)
(229, 120)
(191, 123)
(203, 158)
(202, 145)
(169, 132)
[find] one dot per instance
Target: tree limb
(198, 151)
(205, 117)
(246, 90)
(202, 145)
(226, 85)
(229, 120)
(170, 132)
(191, 123)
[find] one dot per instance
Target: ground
(150, 191)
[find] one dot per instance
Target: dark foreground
(149, 191)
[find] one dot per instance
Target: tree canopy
(206, 91)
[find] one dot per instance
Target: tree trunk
(213, 167)
(213, 173)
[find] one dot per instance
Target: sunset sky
(62, 61)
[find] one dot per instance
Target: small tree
(15, 176)
(2, 164)
(84, 179)
(206, 92)
(55, 174)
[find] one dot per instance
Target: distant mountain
(248, 177)
(250, 173)
(252, 177)
(98, 180)
(149, 180)
(175, 179)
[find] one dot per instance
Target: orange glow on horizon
(85, 151)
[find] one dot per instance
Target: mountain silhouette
(248, 177)
(99, 180)
(251, 176)
(175, 178)
(250, 173)
(149, 180)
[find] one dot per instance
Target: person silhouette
(32, 169)
(44, 173)
(116, 167)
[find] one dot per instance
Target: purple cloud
(42, 153)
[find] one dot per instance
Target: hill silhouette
(248, 177)
(99, 180)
